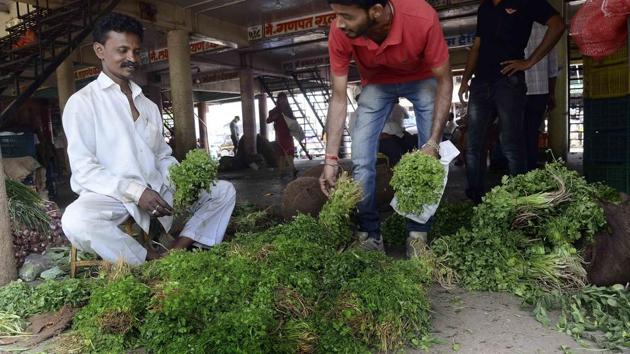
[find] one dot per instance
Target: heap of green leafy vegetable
(285, 289)
(195, 174)
(527, 238)
(418, 180)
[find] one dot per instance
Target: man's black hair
(364, 4)
(118, 23)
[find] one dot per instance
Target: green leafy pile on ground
(23, 300)
(196, 173)
(527, 238)
(285, 289)
(248, 218)
(418, 180)
(601, 314)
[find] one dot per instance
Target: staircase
(316, 90)
(40, 42)
(313, 146)
(168, 117)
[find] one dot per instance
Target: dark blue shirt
(504, 30)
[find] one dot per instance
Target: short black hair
(116, 22)
(364, 4)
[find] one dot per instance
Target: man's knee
(225, 191)
(70, 220)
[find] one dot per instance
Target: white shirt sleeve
(78, 123)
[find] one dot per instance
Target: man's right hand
(152, 203)
(328, 178)
(463, 92)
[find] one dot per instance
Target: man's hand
(511, 67)
(551, 103)
(152, 203)
(431, 151)
(463, 92)
(328, 178)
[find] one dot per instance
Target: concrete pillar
(181, 91)
(65, 89)
(65, 82)
(262, 114)
(249, 110)
(203, 132)
(559, 117)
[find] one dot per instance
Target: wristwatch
(432, 144)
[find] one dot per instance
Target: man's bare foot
(153, 255)
(182, 243)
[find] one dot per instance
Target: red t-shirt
(414, 45)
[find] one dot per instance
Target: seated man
(120, 161)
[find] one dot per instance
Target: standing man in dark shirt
(498, 61)
(235, 132)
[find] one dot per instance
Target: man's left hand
(430, 151)
(511, 67)
(551, 103)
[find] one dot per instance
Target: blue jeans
(506, 98)
(375, 104)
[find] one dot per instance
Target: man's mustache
(129, 64)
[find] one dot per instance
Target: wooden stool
(75, 264)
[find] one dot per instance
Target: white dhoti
(91, 223)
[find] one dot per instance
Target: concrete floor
(465, 322)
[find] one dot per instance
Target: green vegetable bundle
(26, 208)
(523, 236)
(335, 214)
(418, 180)
(195, 174)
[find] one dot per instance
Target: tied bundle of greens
(26, 208)
(418, 181)
(195, 174)
(335, 214)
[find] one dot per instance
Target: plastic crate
(601, 146)
(18, 145)
(614, 175)
(606, 82)
(618, 57)
(611, 113)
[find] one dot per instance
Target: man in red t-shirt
(400, 50)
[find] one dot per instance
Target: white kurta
(113, 159)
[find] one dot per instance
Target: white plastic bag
(294, 128)
(448, 152)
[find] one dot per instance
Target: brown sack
(609, 257)
(302, 196)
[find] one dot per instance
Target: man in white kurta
(118, 156)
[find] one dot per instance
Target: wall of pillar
(559, 117)
(181, 92)
(262, 115)
(65, 82)
(203, 131)
(249, 110)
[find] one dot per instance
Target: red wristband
(332, 157)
